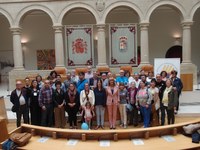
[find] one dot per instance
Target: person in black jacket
(27, 88)
(177, 85)
(34, 104)
(100, 103)
(59, 108)
(19, 99)
(72, 105)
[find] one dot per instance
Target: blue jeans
(100, 114)
(146, 115)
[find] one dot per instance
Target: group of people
(139, 98)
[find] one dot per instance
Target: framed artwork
(46, 59)
(79, 45)
(123, 44)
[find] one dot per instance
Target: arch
(7, 15)
(120, 4)
(193, 10)
(164, 3)
(77, 5)
(34, 7)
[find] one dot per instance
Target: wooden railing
(115, 135)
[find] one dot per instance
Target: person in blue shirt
(122, 79)
(81, 82)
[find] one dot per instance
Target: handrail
(115, 134)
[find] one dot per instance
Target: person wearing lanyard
(19, 99)
(35, 109)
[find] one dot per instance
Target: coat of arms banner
(123, 44)
(79, 45)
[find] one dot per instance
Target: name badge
(35, 94)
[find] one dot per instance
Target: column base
(102, 65)
(19, 68)
(144, 64)
(189, 68)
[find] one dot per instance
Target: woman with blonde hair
(168, 103)
(112, 102)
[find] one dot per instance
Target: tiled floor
(189, 102)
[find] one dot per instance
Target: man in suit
(93, 81)
(20, 101)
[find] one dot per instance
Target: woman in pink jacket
(112, 102)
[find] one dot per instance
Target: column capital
(144, 25)
(58, 27)
(186, 24)
(100, 26)
(16, 30)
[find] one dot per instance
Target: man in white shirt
(89, 73)
(20, 103)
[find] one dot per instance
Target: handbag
(20, 139)
(129, 107)
(14, 108)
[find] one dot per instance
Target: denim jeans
(146, 112)
(100, 110)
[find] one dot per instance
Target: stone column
(101, 45)
(59, 48)
(186, 53)
(144, 43)
(17, 48)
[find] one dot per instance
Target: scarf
(72, 95)
(165, 99)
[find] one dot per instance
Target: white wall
(38, 31)
(196, 39)
(163, 25)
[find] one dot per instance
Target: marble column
(144, 43)
(186, 53)
(17, 48)
(101, 45)
(59, 48)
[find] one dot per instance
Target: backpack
(9, 145)
(195, 137)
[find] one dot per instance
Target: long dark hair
(32, 84)
(99, 80)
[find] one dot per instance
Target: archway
(174, 52)
(123, 15)
(6, 50)
(81, 18)
(37, 37)
(195, 36)
(164, 30)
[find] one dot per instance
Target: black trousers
(23, 111)
(35, 110)
(170, 115)
(72, 116)
(47, 116)
(133, 116)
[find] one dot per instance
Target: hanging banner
(166, 64)
(79, 45)
(123, 44)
